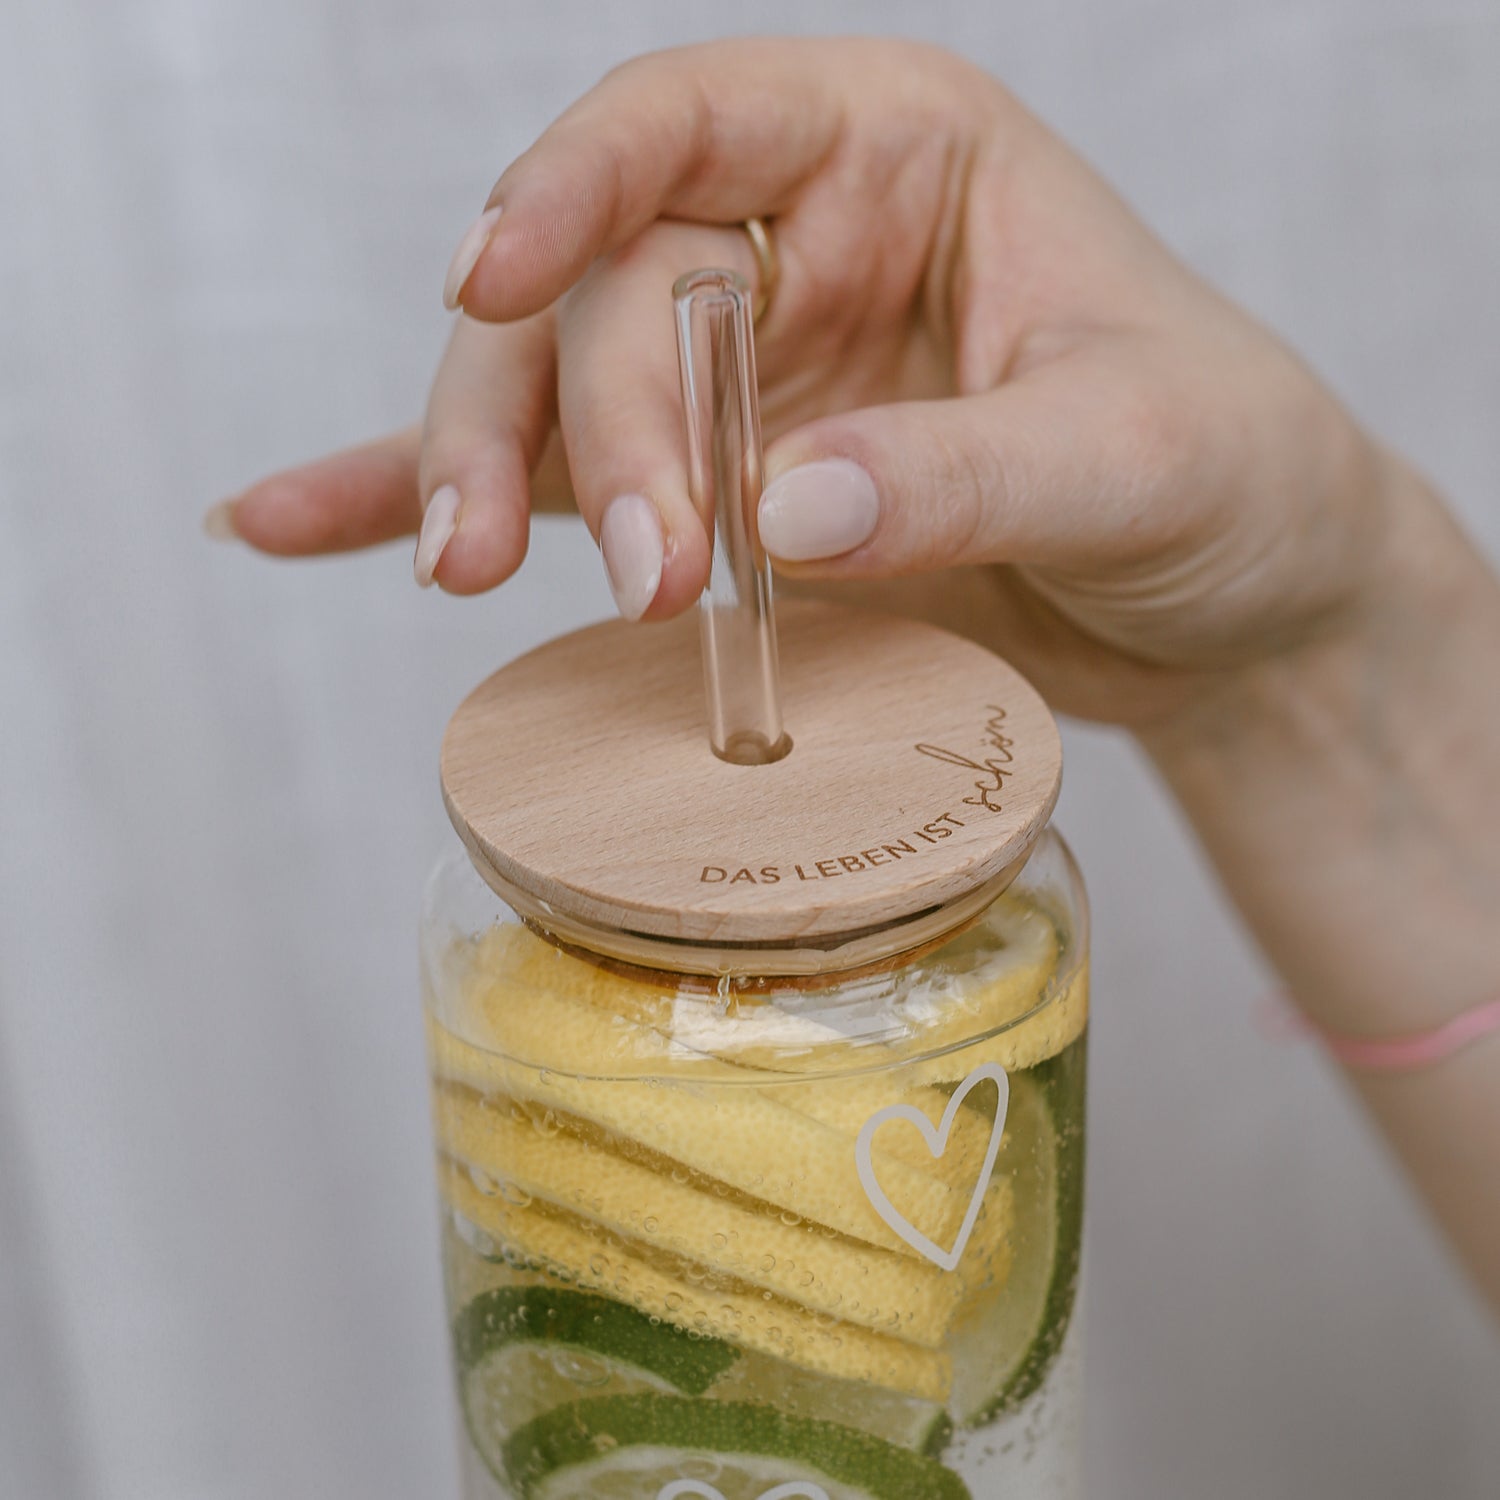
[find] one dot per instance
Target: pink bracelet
(1401, 1054)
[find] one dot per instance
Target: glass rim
(834, 954)
(685, 1063)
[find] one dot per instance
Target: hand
(977, 360)
(996, 401)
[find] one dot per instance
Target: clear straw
(716, 349)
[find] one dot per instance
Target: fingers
(357, 498)
(714, 133)
(620, 408)
(1056, 470)
(464, 477)
(488, 417)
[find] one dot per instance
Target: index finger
(716, 133)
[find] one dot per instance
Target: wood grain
(921, 766)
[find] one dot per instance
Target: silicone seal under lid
(922, 770)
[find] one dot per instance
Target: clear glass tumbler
(763, 1237)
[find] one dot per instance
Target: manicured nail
(466, 257)
(438, 525)
(631, 540)
(218, 522)
(818, 510)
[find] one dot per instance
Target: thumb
(1042, 470)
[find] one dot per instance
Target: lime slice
(907, 1421)
(579, 1254)
(523, 1350)
(634, 1447)
(1008, 1341)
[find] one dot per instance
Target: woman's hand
(977, 359)
(995, 400)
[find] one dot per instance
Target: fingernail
(438, 525)
(218, 522)
(631, 540)
(818, 510)
(466, 257)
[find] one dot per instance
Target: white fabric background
(223, 226)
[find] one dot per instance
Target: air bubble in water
(475, 1238)
(580, 1370)
(482, 1180)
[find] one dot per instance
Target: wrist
(1345, 787)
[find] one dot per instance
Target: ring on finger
(767, 265)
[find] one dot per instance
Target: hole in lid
(749, 747)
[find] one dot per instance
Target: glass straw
(716, 350)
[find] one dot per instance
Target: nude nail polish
(818, 510)
(218, 522)
(439, 522)
(466, 257)
(634, 550)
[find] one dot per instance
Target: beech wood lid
(922, 767)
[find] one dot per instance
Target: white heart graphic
(798, 1489)
(936, 1137)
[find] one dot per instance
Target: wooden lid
(922, 766)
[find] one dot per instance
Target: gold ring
(767, 265)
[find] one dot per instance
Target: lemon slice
(574, 1251)
(738, 1135)
(796, 1260)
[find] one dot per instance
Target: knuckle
(971, 488)
(639, 70)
